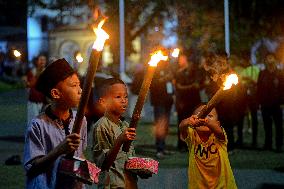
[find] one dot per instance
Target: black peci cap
(55, 72)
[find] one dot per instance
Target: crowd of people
(178, 84)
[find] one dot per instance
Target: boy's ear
(55, 93)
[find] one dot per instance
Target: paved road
(246, 179)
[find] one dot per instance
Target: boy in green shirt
(109, 133)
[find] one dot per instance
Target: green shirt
(105, 132)
(251, 72)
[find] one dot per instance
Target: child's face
(116, 101)
(69, 91)
(212, 116)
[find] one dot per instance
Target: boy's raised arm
(183, 126)
(192, 121)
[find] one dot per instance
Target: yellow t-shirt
(209, 165)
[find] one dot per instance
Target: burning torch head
(101, 36)
(156, 57)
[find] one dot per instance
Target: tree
(200, 22)
(252, 20)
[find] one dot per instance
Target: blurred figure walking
(36, 99)
(186, 92)
(162, 101)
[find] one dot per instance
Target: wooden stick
(140, 102)
(211, 104)
(88, 82)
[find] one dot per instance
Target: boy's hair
(55, 72)
(106, 84)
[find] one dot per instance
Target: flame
(230, 80)
(156, 57)
(17, 53)
(79, 57)
(175, 52)
(102, 36)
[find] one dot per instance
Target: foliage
(252, 20)
(200, 23)
(4, 86)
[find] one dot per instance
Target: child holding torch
(209, 165)
(109, 133)
(48, 136)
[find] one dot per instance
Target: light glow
(17, 53)
(79, 58)
(175, 52)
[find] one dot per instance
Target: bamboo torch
(101, 37)
(230, 80)
(155, 59)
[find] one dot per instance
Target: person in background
(249, 77)
(269, 86)
(36, 100)
(161, 99)
(2, 60)
(186, 92)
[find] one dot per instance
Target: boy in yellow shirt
(209, 165)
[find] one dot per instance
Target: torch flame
(156, 58)
(230, 80)
(79, 57)
(175, 52)
(17, 53)
(102, 36)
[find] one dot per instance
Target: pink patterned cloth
(94, 172)
(146, 165)
(81, 169)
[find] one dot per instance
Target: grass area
(12, 177)
(13, 113)
(5, 87)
